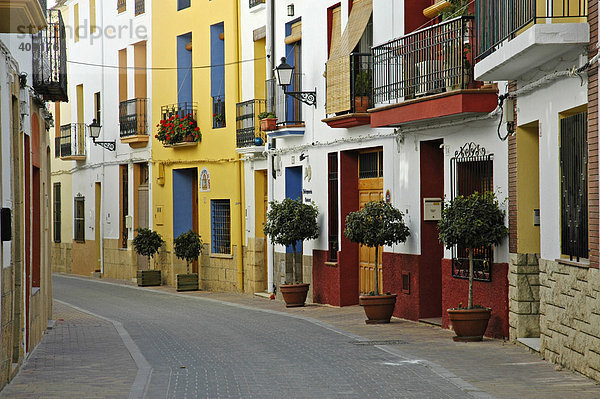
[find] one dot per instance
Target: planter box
(146, 278)
(268, 124)
(187, 282)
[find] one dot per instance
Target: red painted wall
(348, 254)
(326, 280)
(407, 305)
(493, 294)
(413, 14)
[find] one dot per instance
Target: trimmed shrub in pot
(378, 223)
(188, 246)
(268, 121)
(147, 243)
(472, 222)
(288, 222)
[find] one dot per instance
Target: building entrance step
(434, 321)
(532, 343)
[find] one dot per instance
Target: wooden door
(371, 190)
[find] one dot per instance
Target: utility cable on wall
(164, 68)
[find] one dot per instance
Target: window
(56, 212)
(121, 6)
(93, 26)
(370, 165)
(80, 219)
(471, 170)
(217, 74)
(140, 7)
(220, 227)
(573, 178)
(76, 22)
(97, 107)
(182, 4)
(333, 206)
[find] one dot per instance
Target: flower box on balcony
(268, 124)
(178, 130)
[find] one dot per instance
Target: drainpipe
(240, 165)
(270, 180)
(103, 99)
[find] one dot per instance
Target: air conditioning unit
(429, 77)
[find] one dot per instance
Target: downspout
(103, 99)
(240, 253)
(270, 180)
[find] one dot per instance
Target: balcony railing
(71, 143)
(218, 112)
(121, 5)
(140, 7)
(179, 109)
(247, 123)
(254, 3)
(133, 117)
(287, 108)
(50, 59)
(429, 61)
(500, 20)
(361, 82)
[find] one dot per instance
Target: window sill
(222, 256)
(331, 264)
(583, 263)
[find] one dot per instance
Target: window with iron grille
(333, 206)
(140, 7)
(56, 212)
(471, 170)
(79, 219)
(220, 216)
(573, 182)
(370, 165)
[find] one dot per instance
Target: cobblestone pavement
(80, 357)
(221, 345)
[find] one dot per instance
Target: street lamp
(95, 128)
(285, 73)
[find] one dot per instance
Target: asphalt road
(189, 347)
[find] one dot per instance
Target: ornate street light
(95, 128)
(285, 72)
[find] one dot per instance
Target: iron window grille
(218, 112)
(49, 59)
(288, 109)
(573, 182)
(133, 117)
(57, 213)
(471, 170)
(248, 124)
(428, 61)
(79, 219)
(124, 204)
(370, 165)
(254, 3)
(498, 21)
(220, 226)
(121, 5)
(140, 7)
(333, 206)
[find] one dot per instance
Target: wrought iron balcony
(133, 117)
(71, 143)
(501, 20)
(287, 108)
(254, 3)
(218, 112)
(180, 110)
(429, 61)
(183, 114)
(50, 59)
(248, 131)
(121, 5)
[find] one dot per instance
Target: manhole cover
(386, 342)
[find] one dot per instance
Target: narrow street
(194, 346)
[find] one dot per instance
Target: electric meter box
(432, 209)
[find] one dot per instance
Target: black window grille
(370, 165)
(56, 212)
(333, 206)
(140, 7)
(49, 62)
(573, 181)
(121, 5)
(248, 131)
(254, 3)
(133, 117)
(79, 219)
(471, 170)
(220, 226)
(218, 112)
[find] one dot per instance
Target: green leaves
(474, 221)
(188, 246)
(289, 221)
(378, 223)
(147, 242)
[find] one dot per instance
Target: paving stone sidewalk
(500, 368)
(80, 357)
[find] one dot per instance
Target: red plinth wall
(493, 294)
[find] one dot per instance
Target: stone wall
(119, 263)
(62, 257)
(570, 316)
(524, 296)
(283, 264)
(7, 332)
(255, 266)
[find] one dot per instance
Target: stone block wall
(524, 296)
(119, 263)
(255, 266)
(283, 264)
(570, 316)
(7, 332)
(62, 257)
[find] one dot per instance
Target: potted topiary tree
(268, 121)
(474, 221)
(288, 222)
(188, 246)
(377, 223)
(147, 243)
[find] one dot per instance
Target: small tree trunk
(376, 270)
(470, 301)
(149, 258)
(187, 265)
(294, 264)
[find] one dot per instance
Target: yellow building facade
(198, 182)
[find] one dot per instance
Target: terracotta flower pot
(469, 324)
(294, 295)
(378, 308)
(268, 124)
(361, 104)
